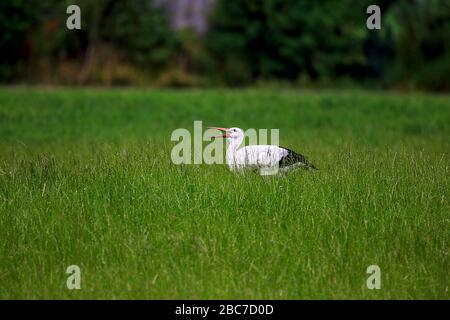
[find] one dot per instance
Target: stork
(268, 159)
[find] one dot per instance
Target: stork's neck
(233, 146)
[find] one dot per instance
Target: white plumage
(267, 159)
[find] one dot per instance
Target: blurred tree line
(322, 42)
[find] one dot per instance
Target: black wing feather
(293, 157)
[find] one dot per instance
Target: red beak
(225, 135)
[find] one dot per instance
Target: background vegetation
(314, 43)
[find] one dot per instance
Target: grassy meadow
(86, 178)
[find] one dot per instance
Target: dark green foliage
(297, 41)
(17, 20)
(142, 31)
(288, 39)
(328, 40)
(421, 31)
(134, 29)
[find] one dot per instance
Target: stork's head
(230, 133)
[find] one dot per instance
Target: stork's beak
(224, 135)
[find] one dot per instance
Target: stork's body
(268, 159)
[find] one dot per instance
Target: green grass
(86, 179)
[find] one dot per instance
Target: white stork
(268, 159)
